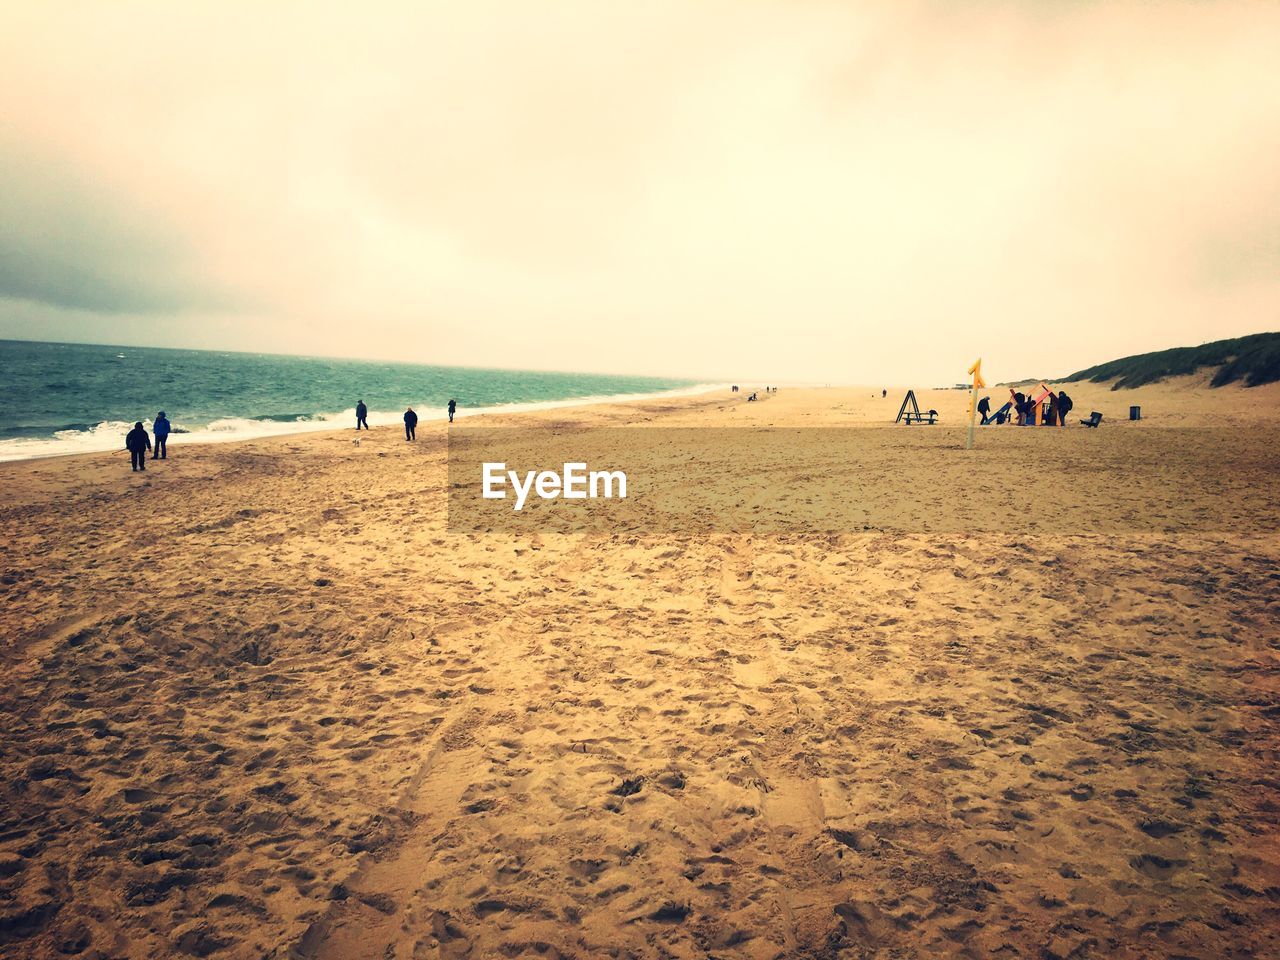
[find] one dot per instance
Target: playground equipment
(914, 415)
(1041, 408)
(1039, 405)
(999, 416)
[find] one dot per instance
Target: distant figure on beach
(410, 424)
(453, 408)
(137, 443)
(735, 388)
(884, 393)
(984, 408)
(1020, 408)
(162, 430)
(362, 415)
(1065, 404)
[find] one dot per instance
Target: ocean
(61, 398)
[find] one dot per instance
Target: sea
(63, 398)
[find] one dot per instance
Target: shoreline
(1176, 402)
(323, 423)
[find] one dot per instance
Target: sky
(875, 192)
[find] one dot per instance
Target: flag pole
(976, 370)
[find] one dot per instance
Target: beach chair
(1095, 418)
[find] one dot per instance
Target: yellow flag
(976, 370)
(978, 384)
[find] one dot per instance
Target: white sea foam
(109, 435)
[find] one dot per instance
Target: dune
(265, 702)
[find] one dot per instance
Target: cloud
(71, 243)
(817, 191)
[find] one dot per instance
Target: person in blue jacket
(162, 430)
(410, 424)
(137, 443)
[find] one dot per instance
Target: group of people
(138, 442)
(410, 418)
(1023, 411)
(754, 394)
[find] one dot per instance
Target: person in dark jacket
(984, 408)
(453, 408)
(137, 443)
(362, 415)
(1065, 404)
(410, 424)
(162, 428)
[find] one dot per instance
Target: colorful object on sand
(998, 416)
(1037, 403)
(978, 384)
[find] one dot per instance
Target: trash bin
(1135, 413)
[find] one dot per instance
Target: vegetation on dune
(1254, 359)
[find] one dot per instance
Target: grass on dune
(1254, 359)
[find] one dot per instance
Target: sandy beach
(263, 702)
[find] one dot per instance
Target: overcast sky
(831, 192)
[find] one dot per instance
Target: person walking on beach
(362, 415)
(453, 408)
(1065, 404)
(410, 424)
(161, 428)
(137, 443)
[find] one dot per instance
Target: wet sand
(262, 702)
